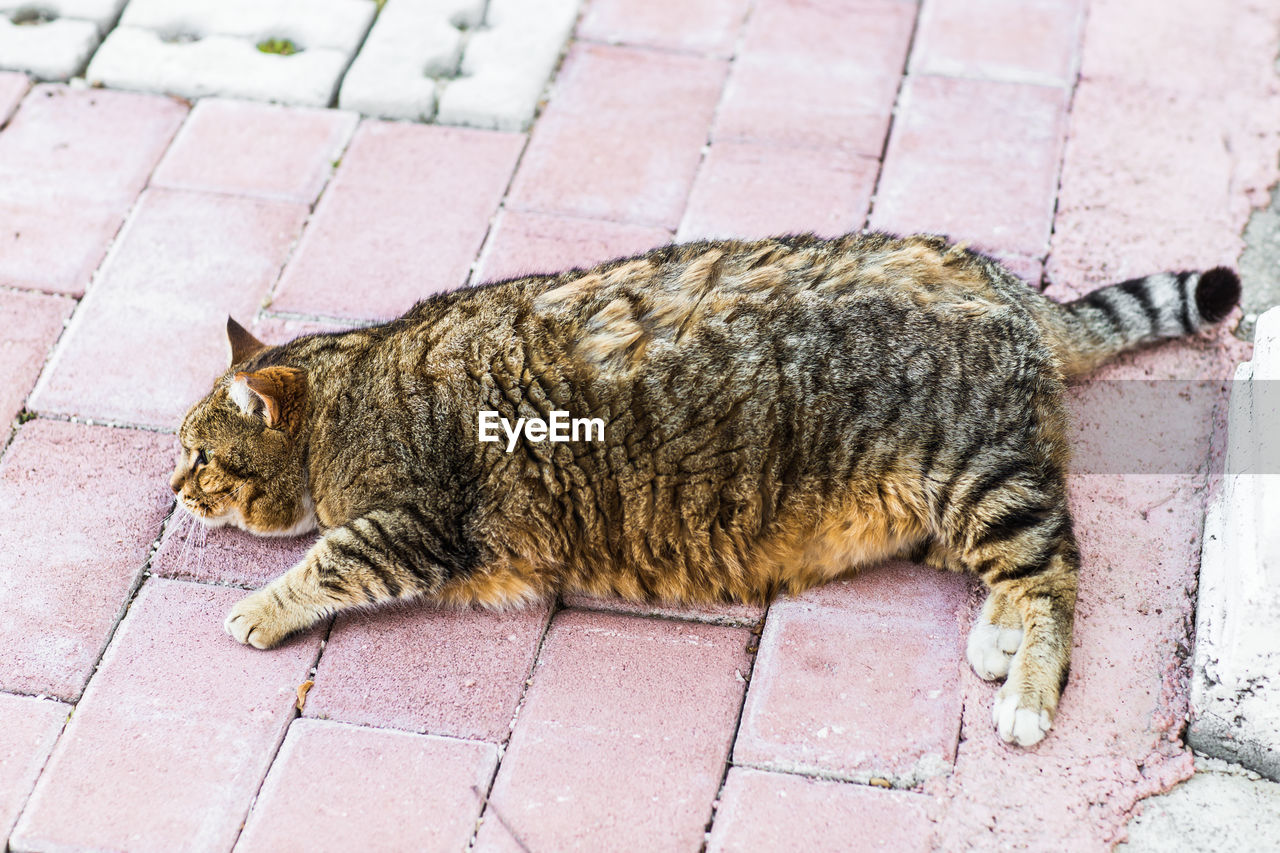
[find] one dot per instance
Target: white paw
(253, 623)
(1017, 724)
(991, 649)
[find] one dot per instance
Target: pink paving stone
(1173, 45)
(1030, 270)
(31, 323)
(225, 555)
(824, 74)
(597, 154)
(28, 729)
(174, 734)
(13, 86)
(1020, 41)
(827, 698)
(456, 673)
(720, 614)
(699, 26)
(976, 160)
(149, 339)
(748, 190)
(773, 811)
(54, 246)
(525, 243)
(260, 150)
(622, 740)
(340, 787)
(1147, 186)
(79, 507)
(71, 163)
(403, 218)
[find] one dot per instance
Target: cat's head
(241, 449)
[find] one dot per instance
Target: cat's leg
(995, 637)
(1019, 541)
(997, 632)
(380, 557)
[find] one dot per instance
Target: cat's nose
(175, 483)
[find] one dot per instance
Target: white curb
(56, 37)
(502, 64)
(55, 50)
(142, 60)
(337, 24)
(506, 67)
(1235, 686)
(412, 43)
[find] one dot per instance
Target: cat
(775, 414)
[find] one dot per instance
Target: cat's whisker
(188, 529)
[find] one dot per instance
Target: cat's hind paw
(991, 649)
(1019, 719)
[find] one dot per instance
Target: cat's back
(859, 294)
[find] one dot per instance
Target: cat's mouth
(205, 514)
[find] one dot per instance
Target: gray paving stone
(428, 58)
(506, 66)
(1222, 807)
(101, 12)
(1235, 685)
(48, 50)
(337, 24)
(413, 43)
(142, 60)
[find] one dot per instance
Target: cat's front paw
(258, 621)
(991, 649)
(1020, 717)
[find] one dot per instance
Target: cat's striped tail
(1091, 330)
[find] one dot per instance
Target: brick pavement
(141, 222)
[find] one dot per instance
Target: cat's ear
(243, 345)
(278, 395)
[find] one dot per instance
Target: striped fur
(1140, 311)
(778, 413)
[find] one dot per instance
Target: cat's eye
(202, 457)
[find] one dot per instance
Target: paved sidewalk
(1082, 145)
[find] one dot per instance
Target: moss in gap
(282, 47)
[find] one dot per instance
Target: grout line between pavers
(51, 353)
(322, 319)
(139, 580)
(490, 231)
(284, 733)
(544, 99)
(6, 120)
(668, 50)
(730, 64)
(36, 290)
(817, 773)
(35, 782)
(757, 633)
(893, 116)
(55, 350)
(264, 303)
(43, 697)
(355, 54)
(1074, 88)
(694, 618)
(88, 420)
(554, 608)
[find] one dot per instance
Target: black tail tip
(1217, 292)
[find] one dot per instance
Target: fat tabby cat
(776, 414)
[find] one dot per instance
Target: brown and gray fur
(778, 413)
